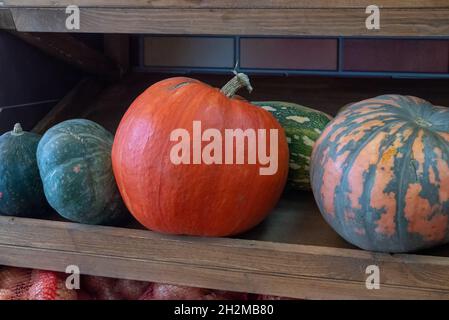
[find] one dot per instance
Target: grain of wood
(335, 22)
(297, 271)
(231, 3)
(172, 273)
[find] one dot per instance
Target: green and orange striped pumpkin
(380, 174)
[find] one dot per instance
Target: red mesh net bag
(115, 289)
(14, 283)
(268, 297)
(158, 291)
(102, 288)
(25, 284)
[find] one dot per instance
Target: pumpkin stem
(17, 131)
(239, 81)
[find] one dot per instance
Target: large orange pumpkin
(195, 199)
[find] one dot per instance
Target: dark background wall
(31, 82)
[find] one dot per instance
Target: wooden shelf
(293, 253)
(226, 17)
(253, 264)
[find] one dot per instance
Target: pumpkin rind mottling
(302, 126)
(21, 191)
(380, 174)
(74, 159)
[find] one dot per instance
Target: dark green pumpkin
(21, 192)
(74, 159)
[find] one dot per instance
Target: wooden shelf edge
(6, 20)
(297, 271)
(230, 21)
(206, 4)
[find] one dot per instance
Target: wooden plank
(70, 50)
(194, 276)
(229, 264)
(301, 4)
(6, 20)
(331, 22)
(72, 104)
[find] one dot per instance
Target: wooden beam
(68, 49)
(297, 271)
(256, 4)
(6, 20)
(330, 22)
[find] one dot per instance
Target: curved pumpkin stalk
(235, 84)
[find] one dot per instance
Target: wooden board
(292, 270)
(230, 3)
(339, 21)
(6, 20)
(293, 253)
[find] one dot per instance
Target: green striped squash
(302, 126)
(380, 174)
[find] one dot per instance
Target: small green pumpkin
(21, 191)
(74, 159)
(302, 126)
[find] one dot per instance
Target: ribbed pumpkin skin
(192, 199)
(302, 126)
(74, 159)
(380, 174)
(21, 191)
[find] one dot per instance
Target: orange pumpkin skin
(193, 199)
